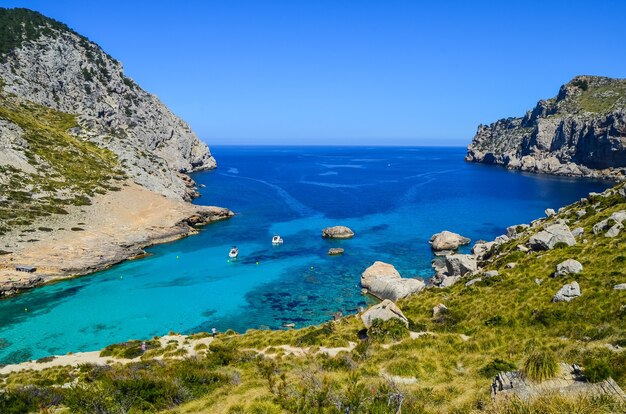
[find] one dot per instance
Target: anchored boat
(234, 252)
(276, 240)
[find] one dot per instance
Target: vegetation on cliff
(499, 323)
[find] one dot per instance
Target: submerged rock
(551, 236)
(447, 240)
(337, 232)
(335, 251)
(567, 293)
(385, 311)
(383, 281)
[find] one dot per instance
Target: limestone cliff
(46, 63)
(580, 132)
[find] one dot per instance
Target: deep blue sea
(393, 198)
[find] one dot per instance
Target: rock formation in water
(580, 132)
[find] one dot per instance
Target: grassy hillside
(497, 324)
(68, 170)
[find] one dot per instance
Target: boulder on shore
(551, 236)
(385, 311)
(383, 281)
(460, 264)
(568, 267)
(567, 293)
(446, 240)
(337, 232)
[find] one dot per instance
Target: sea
(394, 198)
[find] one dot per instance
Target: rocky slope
(580, 132)
(46, 63)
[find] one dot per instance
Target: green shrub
(597, 370)
(541, 365)
(495, 367)
(392, 329)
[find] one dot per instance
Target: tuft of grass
(541, 365)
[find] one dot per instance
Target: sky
(350, 72)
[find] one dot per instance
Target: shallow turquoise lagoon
(393, 198)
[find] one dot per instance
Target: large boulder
(551, 236)
(383, 281)
(480, 249)
(446, 240)
(568, 267)
(385, 310)
(610, 223)
(460, 264)
(337, 232)
(567, 293)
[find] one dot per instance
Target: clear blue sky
(350, 72)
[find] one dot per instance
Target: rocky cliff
(44, 63)
(580, 132)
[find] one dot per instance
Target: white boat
(234, 252)
(276, 240)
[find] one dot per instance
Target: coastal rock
(383, 281)
(550, 212)
(561, 135)
(337, 232)
(568, 267)
(447, 281)
(447, 240)
(437, 310)
(491, 273)
(567, 293)
(335, 251)
(460, 264)
(513, 232)
(480, 249)
(501, 239)
(614, 230)
(385, 311)
(551, 236)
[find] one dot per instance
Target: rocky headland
(581, 132)
(92, 167)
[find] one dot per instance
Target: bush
(495, 367)
(392, 329)
(597, 370)
(541, 365)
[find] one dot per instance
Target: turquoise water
(393, 198)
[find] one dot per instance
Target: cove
(393, 198)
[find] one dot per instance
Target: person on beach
(143, 346)
(214, 332)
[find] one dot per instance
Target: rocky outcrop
(383, 281)
(460, 264)
(53, 66)
(568, 267)
(580, 132)
(337, 232)
(447, 240)
(551, 236)
(567, 293)
(612, 225)
(384, 311)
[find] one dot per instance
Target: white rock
(460, 264)
(438, 309)
(471, 282)
(621, 286)
(551, 236)
(567, 293)
(447, 240)
(614, 230)
(383, 281)
(385, 310)
(511, 265)
(550, 212)
(568, 267)
(491, 273)
(578, 231)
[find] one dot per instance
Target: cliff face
(580, 132)
(44, 62)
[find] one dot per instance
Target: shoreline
(95, 237)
